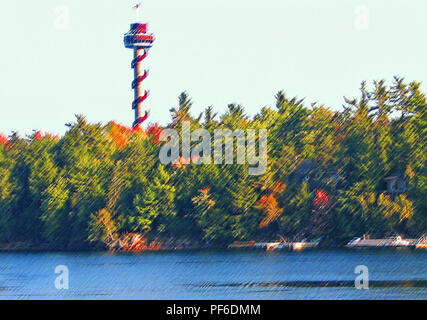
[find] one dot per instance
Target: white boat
(393, 242)
(297, 246)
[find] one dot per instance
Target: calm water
(322, 274)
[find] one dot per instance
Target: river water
(317, 274)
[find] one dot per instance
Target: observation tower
(140, 41)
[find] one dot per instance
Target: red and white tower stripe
(140, 41)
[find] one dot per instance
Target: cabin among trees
(396, 184)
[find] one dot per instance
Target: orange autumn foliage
(270, 206)
(119, 134)
(182, 162)
(277, 187)
(155, 131)
(135, 242)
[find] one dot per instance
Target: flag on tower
(136, 6)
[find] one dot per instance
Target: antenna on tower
(136, 8)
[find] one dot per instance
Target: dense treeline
(325, 178)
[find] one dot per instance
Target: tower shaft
(139, 76)
(138, 40)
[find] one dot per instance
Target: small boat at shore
(360, 242)
(269, 246)
(297, 246)
(421, 243)
(393, 242)
(273, 246)
(242, 244)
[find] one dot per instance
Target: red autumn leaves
(155, 131)
(205, 189)
(269, 204)
(120, 134)
(321, 199)
(3, 140)
(340, 133)
(37, 136)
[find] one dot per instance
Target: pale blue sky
(220, 51)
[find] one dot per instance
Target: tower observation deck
(140, 41)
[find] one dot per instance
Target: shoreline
(25, 247)
(50, 249)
